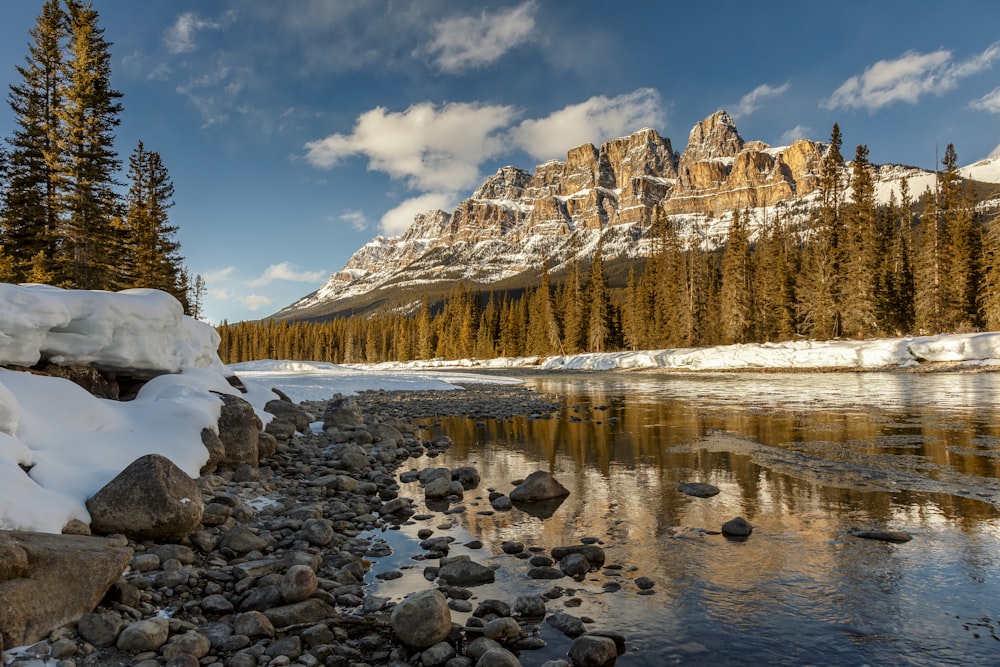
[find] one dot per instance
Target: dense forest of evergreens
(857, 269)
(65, 219)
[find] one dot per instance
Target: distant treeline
(857, 269)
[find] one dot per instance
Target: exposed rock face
(52, 580)
(151, 498)
(514, 218)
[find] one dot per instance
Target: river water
(805, 458)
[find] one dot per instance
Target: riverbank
(276, 574)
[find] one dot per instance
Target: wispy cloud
(430, 147)
(356, 219)
(218, 275)
(254, 301)
(908, 78)
(995, 152)
(214, 93)
(752, 100)
(471, 42)
(594, 120)
(989, 102)
(797, 132)
(181, 36)
(286, 271)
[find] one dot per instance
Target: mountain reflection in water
(804, 458)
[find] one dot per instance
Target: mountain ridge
(517, 219)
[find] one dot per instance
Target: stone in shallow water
(698, 489)
(882, 535)
(738, 527)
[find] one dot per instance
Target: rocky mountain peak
(712, 138)
(516, 218)
(508, 183)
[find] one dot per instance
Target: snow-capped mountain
(515, 220)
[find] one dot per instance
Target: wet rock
(644, 583)
(738, 527)
(342, 412)
(421, 619)
(569, 625)
(502, 630)
(495, 608)
(467, 476)
(883, 535)
(545, 573)
(698, 489)
(498, 657)
(594, 554)
(306, 612)
(538, 486)
(574, 565)
(593, 651)
(529, 606)
(466, 573)
(437, 655)
(501, 504)
(479, 646)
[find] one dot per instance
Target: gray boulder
(466, 573)
(151, 499)
(738, 527)
(238, 429)
(342, 412)
(291, 412)
(539, 485)
(593, 651)
(422, 619)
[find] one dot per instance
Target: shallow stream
(805, 458)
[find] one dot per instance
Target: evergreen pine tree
(88, 116)
(599, 319)
(962, 248)
(737, 299)
(820, 284)
(152, 253)
(861, 252)
(31, 208)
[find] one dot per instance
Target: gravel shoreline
(275, 574)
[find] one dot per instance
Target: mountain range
(499, 237)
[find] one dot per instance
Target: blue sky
(295, 132)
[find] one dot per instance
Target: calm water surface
(804, 458)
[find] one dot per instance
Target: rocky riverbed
(275, 573)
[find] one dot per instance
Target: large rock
(292, 412)
(238, 429)
(65, 577)
(538, 486)
(422, 619)
(342, 412)
(466, 573)
(593, 651)
(151, 499)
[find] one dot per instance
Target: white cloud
(908, 78)
(594, 121)
(214, 93)
(752, 100)
(797, 132)
(989, 102)
(356, 219)
(218, 275)
(397, 220)
(470, 42)
(255, 301)
(431, 147)
(286, 271)
(180, 37)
